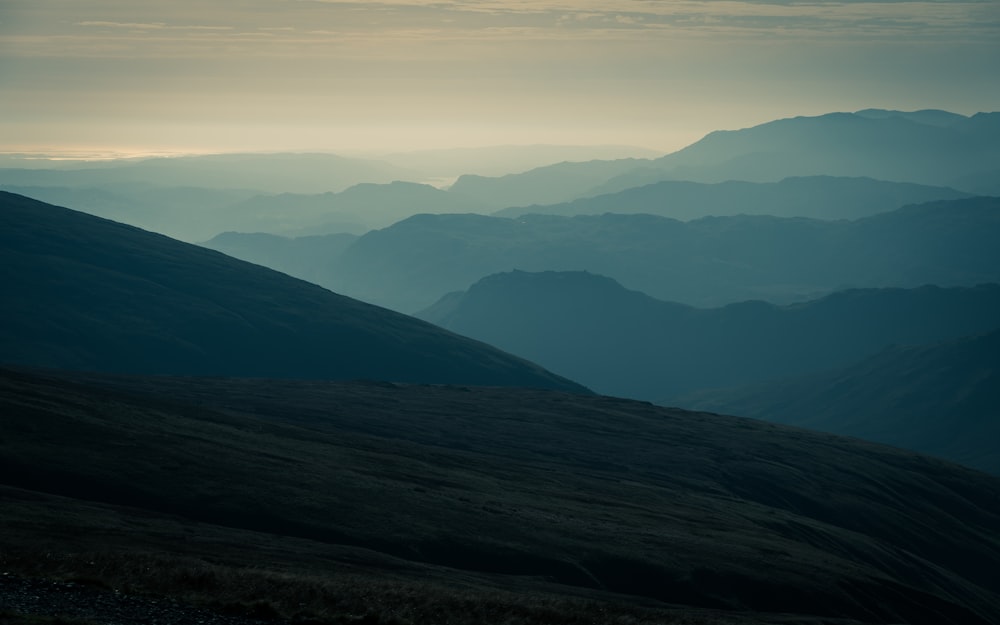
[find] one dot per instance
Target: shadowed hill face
(82, 292)
(589, 492)
(624, 342)
(939, 398)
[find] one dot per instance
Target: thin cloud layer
(553, 70)
(310, 23)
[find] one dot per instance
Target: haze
(121, 77)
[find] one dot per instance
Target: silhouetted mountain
(893, 147)
(930, 117)
(705, 262)
(469, 505)
(85, 293)
(941, 399)
(501, 160)
(625, 343)
(924, 147)
(545, 185)
(820, 197)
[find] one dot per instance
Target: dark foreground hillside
(388, 503)
(82, 292)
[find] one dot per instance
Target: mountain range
(706, 262)
(197, 197)
(625, 343)
(819, 197)
(355, 210)
(274, 173)
(923, 147)
(81, 292)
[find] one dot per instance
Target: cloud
(129, 25)
(151, 26)
(408, 29)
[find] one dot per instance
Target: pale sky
(153, 76)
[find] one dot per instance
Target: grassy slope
(537, 487)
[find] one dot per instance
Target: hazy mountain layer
(194, 198)
(899, 147)
(545, 185)
(303, 257)
(705, 262)
(820, 197)
(506, 159)
(924, 147)
(187, 213)
(625, 343)
(355, 210)
(275, 173)
(85, 293)
(940, 399)
(453, 487)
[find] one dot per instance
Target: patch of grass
(9, 617)
(334, 598)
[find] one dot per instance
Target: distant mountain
(274, 173)
(303, 257)
(820, 197)
(706, 262)
(981, 183)
(506, 159)
(356, 210)
(893, 147)
(930, 117)
(81, 292)
(186, 213)
(545, 185)
(387, 503)
(625, 343)
(194, 198)
(941, 399)
(923, 147)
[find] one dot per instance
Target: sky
(185, 76)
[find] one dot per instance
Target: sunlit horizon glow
(120, 77)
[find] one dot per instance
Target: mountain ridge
(626, 343)
(706, 262)
(819, 197)
(891, 147)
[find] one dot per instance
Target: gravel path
(104, 607)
